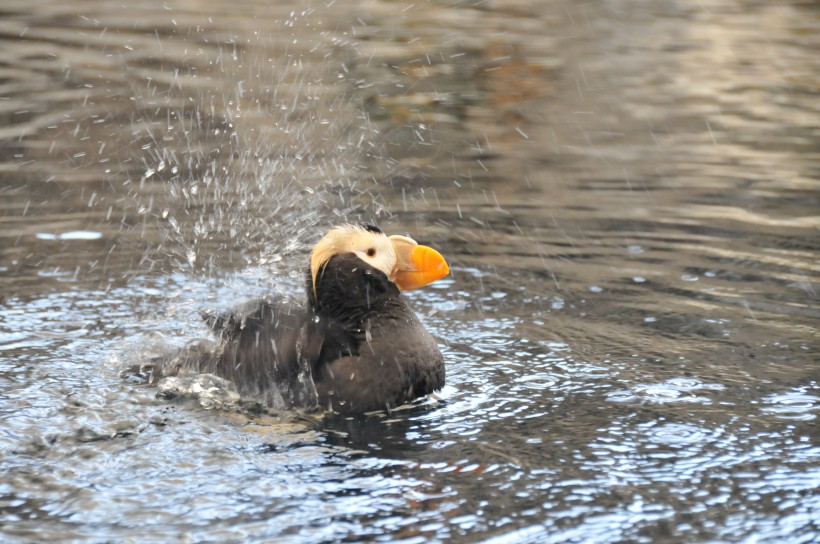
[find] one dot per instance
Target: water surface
(627, 193)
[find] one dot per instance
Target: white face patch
(373, 248)
(377, 251)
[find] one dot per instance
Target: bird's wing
(268, 349)
(394, 367)
(230, 323)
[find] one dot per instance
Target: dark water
(627, 193)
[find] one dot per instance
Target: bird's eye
(371, 252)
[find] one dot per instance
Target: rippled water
(627, 193)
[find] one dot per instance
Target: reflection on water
(627, 193)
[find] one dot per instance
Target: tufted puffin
(354, 347)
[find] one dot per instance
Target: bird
(354, 346)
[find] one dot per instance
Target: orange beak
(417, 265)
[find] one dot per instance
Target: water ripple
(795, 405)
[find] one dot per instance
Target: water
(627, 195)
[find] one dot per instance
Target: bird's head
(402, 260)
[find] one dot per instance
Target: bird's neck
(352, 304)
(356, 308)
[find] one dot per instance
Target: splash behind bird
(355, 346)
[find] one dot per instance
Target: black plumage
(355, 346)
(376, 352)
